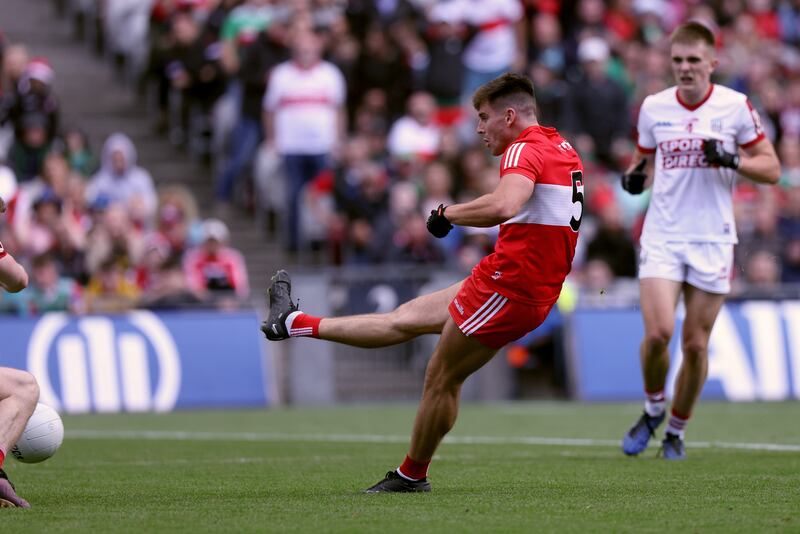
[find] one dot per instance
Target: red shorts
(491, 318)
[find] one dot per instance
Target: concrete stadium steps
(93, 98)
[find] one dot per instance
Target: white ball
(42, 436)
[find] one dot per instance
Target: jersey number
(577, 197)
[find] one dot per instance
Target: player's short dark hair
(692, 32)
(509, 89)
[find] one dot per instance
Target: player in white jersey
(19, 391)
(701, 136)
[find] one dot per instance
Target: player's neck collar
(692, 107)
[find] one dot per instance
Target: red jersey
(534, 250)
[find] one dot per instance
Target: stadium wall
(754, 353)
(141, 361)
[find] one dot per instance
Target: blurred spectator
(170, 289)
(47, 292)
(612, 243)
(446, 36)
(120, 180)
(26, 155)
(177, 223)
(304, 119)
(15, 60)
(115, 237)
(597, 115)
(195, 73)
(214, 268)
(414, 136)
(78, 152)
(498, 45)
(109, 291)
(33, 96)
(258, 60)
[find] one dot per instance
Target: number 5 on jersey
(577, 198)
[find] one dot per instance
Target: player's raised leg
(19, 394)
(455, 358)
(658, 298)
(425, 314)
(702, 309)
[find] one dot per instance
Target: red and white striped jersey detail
(534, 249)
(489, 309)
(511, 156)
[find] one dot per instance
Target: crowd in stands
(93, 230)
(346, 122)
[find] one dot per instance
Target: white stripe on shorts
(489, 309)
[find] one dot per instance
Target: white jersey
(306, 104)
(691, 201)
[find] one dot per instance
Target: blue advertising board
(139, 361)
(754, 353)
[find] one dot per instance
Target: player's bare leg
(425, 314)
(19, 394)
(455, 358)
(659, 298)
(702, 309)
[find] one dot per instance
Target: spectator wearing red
(214, 267)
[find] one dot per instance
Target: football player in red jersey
(538, 205)
(19, 391)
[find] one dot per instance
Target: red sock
(2, 456)
(413, 469)
(301, 324)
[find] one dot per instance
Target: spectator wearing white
(415, 135)
(304, 118)
(499, 44)
(120, 180)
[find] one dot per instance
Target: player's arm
(13, 277)
(759, 162)
(496, 207)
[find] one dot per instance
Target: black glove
(717, 155)
(633, 182)
(438, 225)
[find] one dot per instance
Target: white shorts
(706, 266)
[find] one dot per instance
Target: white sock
(290, 319)
(676, 425)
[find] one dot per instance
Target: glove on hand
(717, 155)
(438, 225)
(633, 182)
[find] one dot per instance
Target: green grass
(296, 471)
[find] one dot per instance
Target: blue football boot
(638, 437)
(672, 447)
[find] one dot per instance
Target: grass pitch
(527, 467)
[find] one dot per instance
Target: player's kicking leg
(425, 314)
(19, 394)
(659, 298)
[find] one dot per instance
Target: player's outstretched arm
(760, 163)
(496, 207)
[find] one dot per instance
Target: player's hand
(438, 225)
(717, 155)
(633, 182)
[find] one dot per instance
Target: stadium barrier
(754, 352)
(141, 361)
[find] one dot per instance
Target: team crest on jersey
(716, 125)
